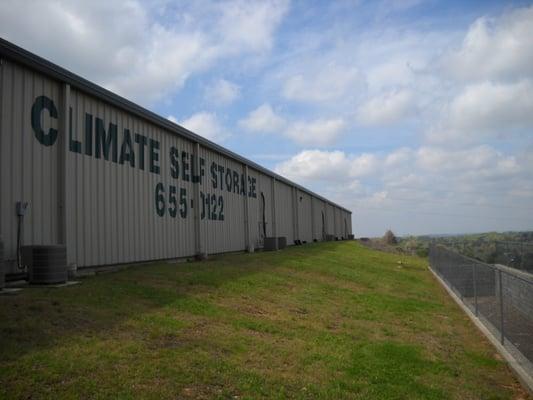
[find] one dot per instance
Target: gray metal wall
(28, 170)
(106, 208)
(305, 217)
(256, 222)
(284, 200)
(330, 219)
(319, 212)
(339, 223)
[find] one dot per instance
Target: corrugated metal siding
(345, 231)
(284, 211)
(346, 224)
(320, 218)
(339, 223)
(334, 217)
(114, 218)
(330, 223)
(229, 234)
(37, 63)
(28, 170)
(264, 187)
(111, 206)
(305, 216)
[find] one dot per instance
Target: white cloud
(222, 92)
(328, 166)
(204, 124)
(424, 164)
(315, 165)
(390, 59)
(390, 73)
(321, 82)
(250, 25)
(122, 46)
(386, 109)
(398, 157)
(169, 59)
(492, 94)
(263, 119)
(474, 169)
(486, 110)
(495, 48)
(489, 106)
(321, 132)
(422, 190)
(479, 158)
(364, 165)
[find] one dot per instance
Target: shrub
(390, 238)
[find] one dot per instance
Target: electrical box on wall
(21, 208)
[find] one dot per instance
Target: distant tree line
(514, 249)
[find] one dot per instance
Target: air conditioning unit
(270, 243)
(46, 264)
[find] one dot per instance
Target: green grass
(321, 321)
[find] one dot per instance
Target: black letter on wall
(41, 103)
(126, 150)
(104, 142)
(154, 156)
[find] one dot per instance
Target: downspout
(63, 143)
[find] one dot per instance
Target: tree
(390, 238)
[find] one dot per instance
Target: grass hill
(320, 321)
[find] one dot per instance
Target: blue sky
(417, 115)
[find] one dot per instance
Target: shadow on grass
(40, 318)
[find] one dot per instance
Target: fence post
(522, 256)
(475, 287)
(502, 331)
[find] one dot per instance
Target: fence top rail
(521, 275)
(466, 258)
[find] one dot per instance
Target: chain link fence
(499, 296)
(517, 255)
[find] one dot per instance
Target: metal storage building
(116, 183)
